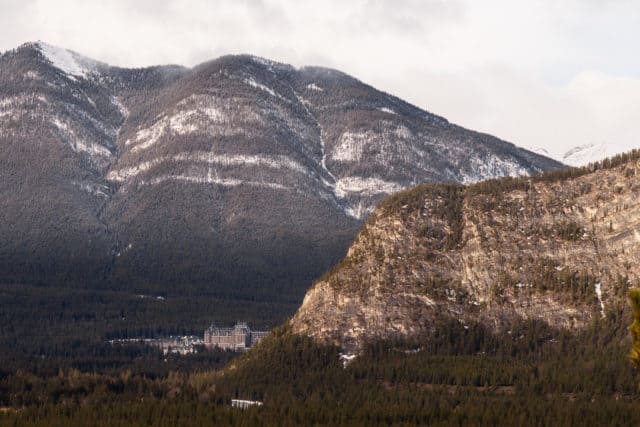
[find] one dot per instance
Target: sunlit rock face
(241, 176)
(562, 249)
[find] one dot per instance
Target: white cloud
(539, 73)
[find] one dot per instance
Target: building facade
(244, 404)
(238, 338)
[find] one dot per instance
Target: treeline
(414, 198)
(501, 185)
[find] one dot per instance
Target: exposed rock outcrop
(562, 247)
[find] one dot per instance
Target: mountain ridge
(221, 176)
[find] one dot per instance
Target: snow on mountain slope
(493, 166)
(589, 153)
(67, 61)
(240, 170)
(209, 158)
(584, 154)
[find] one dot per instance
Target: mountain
(561, 248)
(240, 177)
(585, 154)
(582, 155)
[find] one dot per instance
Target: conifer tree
(634, 300)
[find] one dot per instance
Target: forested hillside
(529, 370)
(240, 178)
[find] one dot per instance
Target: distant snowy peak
(70, 63)
(582, 155)
(589, 153)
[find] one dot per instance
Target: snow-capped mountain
(589, 153)
(242, 176)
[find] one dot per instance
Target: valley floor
(535, 377)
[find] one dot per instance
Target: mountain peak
(260, 163)
(69, 62)
(269, 63)
(582, 155)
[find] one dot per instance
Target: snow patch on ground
(194, 114)
(131, 172)
(148, 137)
(491, 167)
(21, 101)
(359, 210)
(387, 110)
(275, 162)
(251, 82)
(315, 87)
(125, 250)
(350, 186)
(403, 132)
(187, 121)
(365, 186)
(14, 107)
(227, 182)
(95, 189)
(32, 75)
(120, 106)
(77, 144)
(108, 130)
(5, 102)
(346, 358)
(350, 146)
(598, 288)
(183, 123)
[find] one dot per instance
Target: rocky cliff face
(241, 176)
(562, 248)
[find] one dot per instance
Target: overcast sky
(546, 73)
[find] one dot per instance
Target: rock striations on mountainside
(562, 247)
(240, 176)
